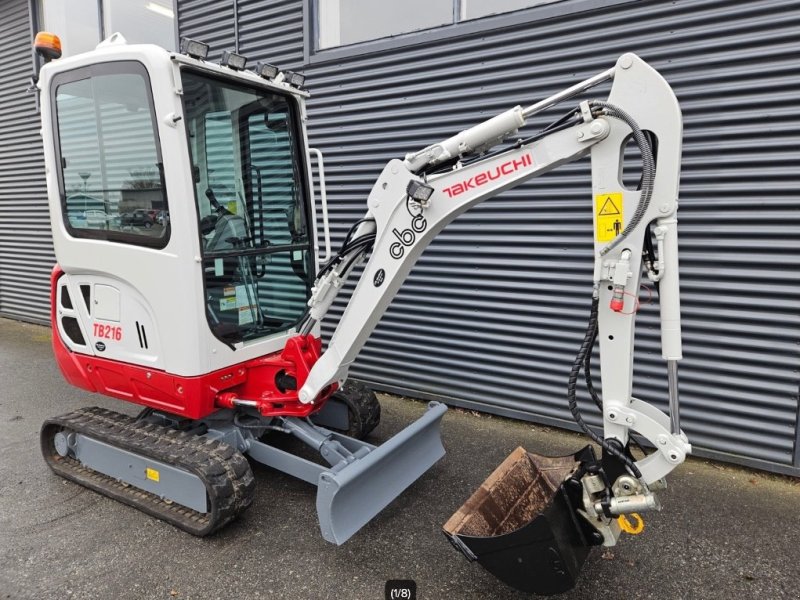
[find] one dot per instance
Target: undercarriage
(194, 474)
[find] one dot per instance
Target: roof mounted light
(294, 79)
(233, 61)
(266, 70)
(194, 48)
(47, 45)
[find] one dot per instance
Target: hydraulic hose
(572, 396)
(351, 250)
(648, 169)
(587, 374)
(598, 401)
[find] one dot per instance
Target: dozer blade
(521, 526)
(348, 498)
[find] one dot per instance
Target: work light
(194, 48)
(233, 61)
(419, 191)
(266, 70)
(295, 79)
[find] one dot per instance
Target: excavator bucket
(349, 497)
(521, 525)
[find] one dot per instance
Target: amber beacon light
(47, 45)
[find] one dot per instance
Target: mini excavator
(195, 266)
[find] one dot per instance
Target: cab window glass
(271, 177)
(251, 206)
(111, 171)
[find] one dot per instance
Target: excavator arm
(634, 230)
(411, 203)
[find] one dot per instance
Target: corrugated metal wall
(213, 19)
(493, 313)
(26, 249)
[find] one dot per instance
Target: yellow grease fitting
(608, 216)
(151, 474)
(632, 528)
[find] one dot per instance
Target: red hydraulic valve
(618, 299)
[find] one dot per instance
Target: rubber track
(225, 472)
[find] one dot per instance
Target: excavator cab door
(251, 190)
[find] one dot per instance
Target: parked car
(96, 219)
(137, 218)
(77, 218)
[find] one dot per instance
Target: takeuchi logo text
(476, 181)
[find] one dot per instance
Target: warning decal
(608, 217)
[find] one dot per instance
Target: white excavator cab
(189, 215)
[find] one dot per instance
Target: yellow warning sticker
(608, 216)
(151, 474)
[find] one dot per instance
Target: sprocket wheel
(363, 406)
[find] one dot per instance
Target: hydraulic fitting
(620, 505)
(618, 298)
(622, 272)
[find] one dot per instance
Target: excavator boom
(582, 500)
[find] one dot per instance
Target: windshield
(251, 207)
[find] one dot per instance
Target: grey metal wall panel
(210, 21)
(26, 250)
(494, 311)
(271, 30)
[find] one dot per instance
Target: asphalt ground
(725, 532)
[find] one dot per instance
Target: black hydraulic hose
(573, 114)
(355, 247)
(365, 240)
(363, 243)
(572, 396)
(648, 169)
(353, 228)
(347, 245)
(587, 374)
(363, 248)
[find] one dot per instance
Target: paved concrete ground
(725, 532)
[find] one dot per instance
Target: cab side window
(110, 176)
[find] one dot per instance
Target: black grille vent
(66, 301)
(73, 330)
(86, 291)
(142, 335)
